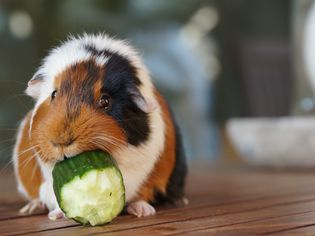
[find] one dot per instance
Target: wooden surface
(226, 200)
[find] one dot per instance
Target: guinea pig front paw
(56, 214)
(32, 206)
(140, 209)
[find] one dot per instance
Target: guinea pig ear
(34, 85)
(146, 106)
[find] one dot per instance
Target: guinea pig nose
(64, 143)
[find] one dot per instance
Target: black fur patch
(176, 183)
(96, 52)
(119, 82)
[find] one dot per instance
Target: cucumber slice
(89, 188)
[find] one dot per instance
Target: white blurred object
(20, 24)
(275, 142)
(309, 45)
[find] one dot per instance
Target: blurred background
(238, 74)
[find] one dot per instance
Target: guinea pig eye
(104, 102)
(53, 94)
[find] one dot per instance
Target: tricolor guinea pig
(94, 92)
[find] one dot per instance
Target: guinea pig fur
(94, 92)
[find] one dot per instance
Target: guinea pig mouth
(61, 159)
(66, 157)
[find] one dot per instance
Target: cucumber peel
(89, 188)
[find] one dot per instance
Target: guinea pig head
(88, 105)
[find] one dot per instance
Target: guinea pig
(94, 92)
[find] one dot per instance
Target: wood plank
(235, 181)
(35, 223)
(220, 198)
(243, 185)
(11, 210)
(242, 223)
(306, 230)
(183, 219)
(9, 214)
(8, 185)
(272, 226)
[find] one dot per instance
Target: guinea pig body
(94, 92)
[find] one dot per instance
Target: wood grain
(224, 200)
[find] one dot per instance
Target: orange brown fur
(29, 171)
(162, 171)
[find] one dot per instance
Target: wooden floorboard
(307, 230)
(224, 200)
(188, 224)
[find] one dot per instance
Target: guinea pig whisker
(27, 161)
(100, 141)
(100, 145)
(30, 148)
(9, 162)
(7, 100)
(33, 171)
(106, 135)
(111, 137)
(42, 156)
(109, 141)
(3, 125)
(9, 81)
(5, 146)
(28, 158)
(7, 129)
(6, 166)
(18, 98)
(6, 140)
(2, 169)
(27, 150)
(9, 147)
(25, 164)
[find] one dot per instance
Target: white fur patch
(46, 191)
(140, 209)
(15, 157)
(34, 86)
